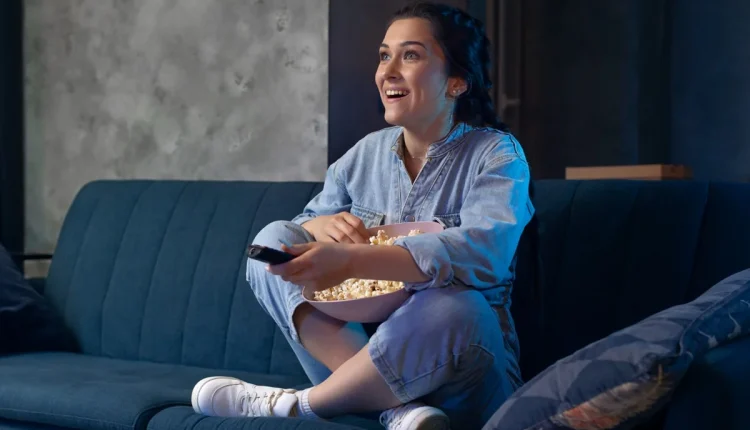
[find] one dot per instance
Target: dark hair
(467, 51)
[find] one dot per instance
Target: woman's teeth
(396, 93)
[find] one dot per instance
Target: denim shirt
(475, 181)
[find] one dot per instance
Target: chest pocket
(449, 220)
(369, 217)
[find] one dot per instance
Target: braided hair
(467, 51)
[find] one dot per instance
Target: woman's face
(411, 76)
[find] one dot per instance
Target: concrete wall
(230, 89)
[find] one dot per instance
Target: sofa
(149, 276)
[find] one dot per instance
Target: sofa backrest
(155, 270)
(614, 252)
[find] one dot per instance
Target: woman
(450, 351)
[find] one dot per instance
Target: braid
(476, 106)
(487, 112)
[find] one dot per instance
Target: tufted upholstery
(615, 252)
(154, 271)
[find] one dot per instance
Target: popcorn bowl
(377, 308)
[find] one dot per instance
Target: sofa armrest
(37, 284)
(715, 392)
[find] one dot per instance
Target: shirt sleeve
(481, 250)
(332, 200)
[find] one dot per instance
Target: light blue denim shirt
(475, 181)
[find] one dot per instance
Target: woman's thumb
(296, 249)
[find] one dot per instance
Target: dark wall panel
(636, 82)
(711, 88)
(580, 76)
(11, 125)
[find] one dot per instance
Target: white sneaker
(414, 416)
(230, 397)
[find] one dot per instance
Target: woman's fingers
(337, 233)
(290, 268)
(354, 228)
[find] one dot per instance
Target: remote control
(268, 255)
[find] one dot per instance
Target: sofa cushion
(626, 377)
(183, 418)
(21, 425)
(155, 270)
(28, 323)
(89, 392)
(614, 252)
(717, 385)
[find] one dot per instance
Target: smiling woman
(449, 353)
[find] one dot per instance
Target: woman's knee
(456, 318)
(275, 234)
(446, 337)
(280, 233)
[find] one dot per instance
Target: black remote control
(268, 255)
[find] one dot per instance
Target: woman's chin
(394, 119)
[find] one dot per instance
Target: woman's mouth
(395, 95)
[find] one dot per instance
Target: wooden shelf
(654, 172)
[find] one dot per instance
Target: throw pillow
(28, 323)
(625, 378)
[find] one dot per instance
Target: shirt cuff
(303, 218)
(432, 258)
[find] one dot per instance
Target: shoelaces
(255, 404)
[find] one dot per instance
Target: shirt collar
(440, 147)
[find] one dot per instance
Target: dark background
(581, 83)
(11, 125)
(598, 82)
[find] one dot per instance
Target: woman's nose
(389, 70)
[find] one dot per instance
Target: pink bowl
(378, 308)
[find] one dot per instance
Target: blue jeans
(444, 346)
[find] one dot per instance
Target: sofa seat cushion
(183, 418)
(89, 392)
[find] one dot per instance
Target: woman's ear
(456, 87)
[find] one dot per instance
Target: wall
(232, 89)
(636, 82)
(580, 84)
(710, 86)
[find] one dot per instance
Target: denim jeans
(444, 346)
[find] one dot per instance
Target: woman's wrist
(314, 225)
(386, 263)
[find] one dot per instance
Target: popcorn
(361, 288)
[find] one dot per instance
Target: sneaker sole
(428, 420)
(197, 389)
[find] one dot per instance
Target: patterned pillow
(625, 378)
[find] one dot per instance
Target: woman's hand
(317, 265)
(342, 227)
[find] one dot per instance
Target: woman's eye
(384, 56)
(411, 55)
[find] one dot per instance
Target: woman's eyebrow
(405, 43)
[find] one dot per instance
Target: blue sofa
(149, 275)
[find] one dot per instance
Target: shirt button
(409, 218)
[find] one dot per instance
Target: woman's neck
(417, 142)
